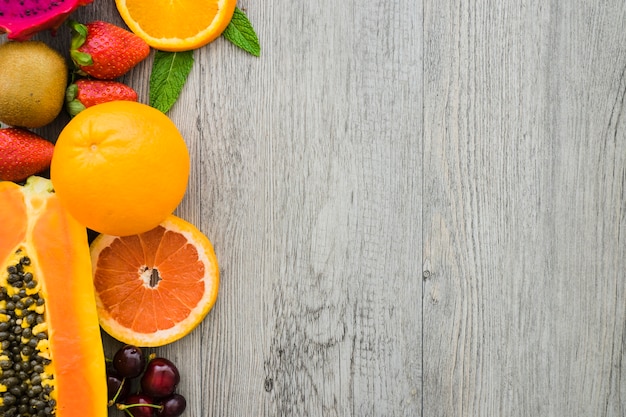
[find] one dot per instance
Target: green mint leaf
(241, 33)
(168, 77)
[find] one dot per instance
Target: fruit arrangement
(143, 386)
(149, 277)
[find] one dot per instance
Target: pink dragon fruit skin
(20, 20)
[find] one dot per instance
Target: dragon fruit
(20, 20)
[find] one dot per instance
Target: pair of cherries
(157, 379)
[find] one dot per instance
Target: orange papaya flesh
(51, 354)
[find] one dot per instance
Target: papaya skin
(34, 220)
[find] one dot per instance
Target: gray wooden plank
(319, 191)
(524, 162)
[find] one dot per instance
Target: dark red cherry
(160, 378)
(129, 361)
(117, 387)
(134, 405)
(172, 406)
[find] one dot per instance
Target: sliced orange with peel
(179, 25)
(155, 287)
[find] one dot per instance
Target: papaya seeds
(33, 78)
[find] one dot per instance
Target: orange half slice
(156, 287)
(179, 25)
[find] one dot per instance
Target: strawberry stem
(79, 36)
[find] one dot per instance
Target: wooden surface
(419, 209)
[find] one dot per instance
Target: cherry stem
(117, 394)
(123, 407)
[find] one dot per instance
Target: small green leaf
(241, 33)
(168, 77)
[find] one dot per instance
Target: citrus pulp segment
(155, 287)
(177, 26)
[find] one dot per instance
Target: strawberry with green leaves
(22, 154)
(86, 93)
(105, 51)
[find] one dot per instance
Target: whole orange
(120, 168)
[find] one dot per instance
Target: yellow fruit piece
(120, 168)
(177, 25)
(156, 287)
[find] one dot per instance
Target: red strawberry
(105, 51)
(22, 154)
(86, 93)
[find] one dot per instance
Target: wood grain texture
(524, 309)
(419, 209)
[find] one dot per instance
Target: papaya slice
(51, 355)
